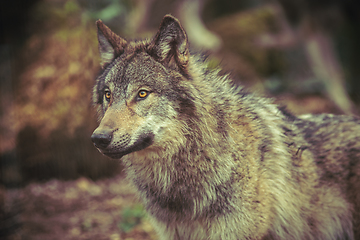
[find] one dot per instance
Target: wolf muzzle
(102, 139)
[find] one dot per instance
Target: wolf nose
(101, 139)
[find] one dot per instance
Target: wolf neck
(184, 178)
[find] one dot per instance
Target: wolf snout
(101, 139)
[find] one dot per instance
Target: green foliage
(131, 217)
(70, 9)
(114, 9)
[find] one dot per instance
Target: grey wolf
(211, 160)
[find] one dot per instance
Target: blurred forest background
(53, 182)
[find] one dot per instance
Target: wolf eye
(107, 95)
(143, 94)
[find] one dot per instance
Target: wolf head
(141, 91)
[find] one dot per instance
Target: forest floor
(77, 209)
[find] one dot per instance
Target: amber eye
(142, 94)
(107, 95)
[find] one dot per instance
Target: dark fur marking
(221, 206)
(221, 125)
(263, 148)
(287, 113)
(173, 200)
(300, 150)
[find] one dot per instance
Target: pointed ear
(171, 42)
(110, 44)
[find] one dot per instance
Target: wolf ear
(171, 42)
(110, 44)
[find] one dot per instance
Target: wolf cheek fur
(212, 161)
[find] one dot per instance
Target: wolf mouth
(142, 143)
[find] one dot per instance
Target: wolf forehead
(138, 69)
(134, 68)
